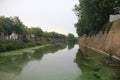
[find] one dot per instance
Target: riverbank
(114, 58)
(108, 42)
(22, 51)
(9, 45)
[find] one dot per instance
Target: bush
(7, 45)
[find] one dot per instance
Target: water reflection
(39, 53)
(92, 67)
(71, 45)
(11, 66)
(48, 63)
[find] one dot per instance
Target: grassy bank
(8, 45)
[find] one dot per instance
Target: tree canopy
(14, 24)
(36, 31)
(93, 14)
(72, 38)
(9, 25)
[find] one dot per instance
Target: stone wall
(108, 42)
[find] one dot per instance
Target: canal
(57, 62)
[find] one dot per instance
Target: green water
(56, 62)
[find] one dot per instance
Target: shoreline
(103, 53)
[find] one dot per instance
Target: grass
(22, 51)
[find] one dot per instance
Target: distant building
(2, 35)
(13, 36)
(32, 36)
(114, 17)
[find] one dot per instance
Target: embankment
(108, 42)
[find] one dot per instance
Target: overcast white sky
(50, 15)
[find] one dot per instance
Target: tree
(10, 24)
(72, 38)
(1, 24)
(93, 14)
(19, 27)
(7, 25)
(37, 32)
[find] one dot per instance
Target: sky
(50, 15)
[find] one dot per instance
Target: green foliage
(15, 63)
(93, 14)
(36, 31)
(72, 38)
(19, 27)
(27, 37)
(9, 25)
(93, 66)
(54, 35)
(6, 45)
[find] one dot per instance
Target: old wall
(108, 42)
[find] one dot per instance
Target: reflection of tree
(39, 53)
(14, 64)
(71, 45)
(91, 68)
